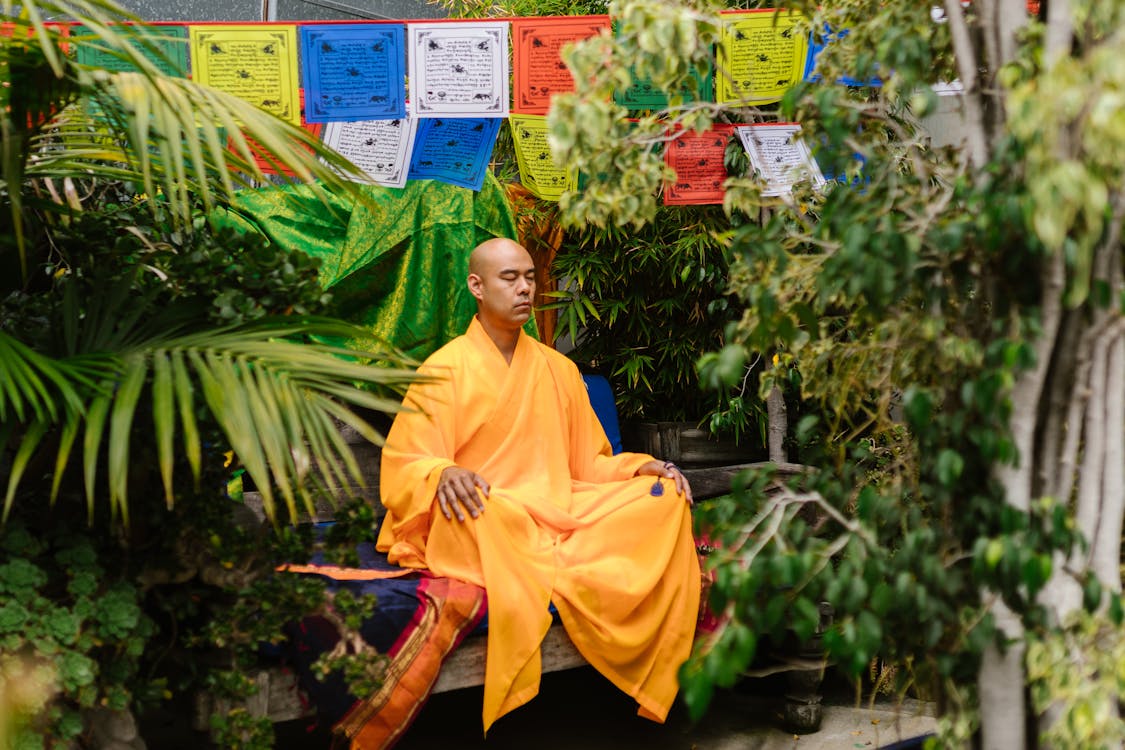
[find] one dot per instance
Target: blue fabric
(601, 398)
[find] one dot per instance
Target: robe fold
(565, 522)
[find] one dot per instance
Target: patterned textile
(396, 261)
(420, 619)
(449, 610)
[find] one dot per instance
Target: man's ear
(475, 286)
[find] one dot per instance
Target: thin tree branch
(1106, 553)
(1027, 391)
(1011, 17)
(1061, 395)
(1060, 32)
(1093, 448)
(967, 66)
(1063, 486)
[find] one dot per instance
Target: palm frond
(32, 386)
(178, 139)
(29, 442)
(277, 401)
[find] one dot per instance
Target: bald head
(502, 279)
(496, 250)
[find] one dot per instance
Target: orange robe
(565, 522)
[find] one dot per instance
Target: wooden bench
(279, 697)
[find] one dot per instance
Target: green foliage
(640, 305)
(61, 612)
(515, 8)
(139, 349)
(224, 277)
(903, 302)
(140, 319)
(1080, 669)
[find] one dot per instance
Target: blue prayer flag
(454, 150)
(353, 72)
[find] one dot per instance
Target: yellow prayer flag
(255, 62)
(538, 171)
(761, 53)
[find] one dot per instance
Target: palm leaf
(167, 133)
(30, 441)
(29, 379)
(163, 417)
(192, 448)
(91, 446)
(70, 429)
(120, 429)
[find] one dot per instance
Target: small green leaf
(949, 467)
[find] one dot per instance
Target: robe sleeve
(591, 456)
(419, 447)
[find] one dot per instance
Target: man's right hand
(457, 489)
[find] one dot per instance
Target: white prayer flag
(459, 69)
(380, 148)
(779, 156)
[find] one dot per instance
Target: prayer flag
(539, 71)
(170, 40)
(267, 163)
(779, 157)
(539, 172)
(700, 163)
(380, 148)
(459, 69)
(643, 94)
(353, 72)
(761, 53)
(817, 44)
(453, 150)
(255, 62)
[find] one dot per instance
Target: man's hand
(457, 489)
(668, 470)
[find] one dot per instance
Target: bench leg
(803, 711)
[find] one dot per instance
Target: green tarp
(395, 262)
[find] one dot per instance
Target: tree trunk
(778, 417)
(1001, 679)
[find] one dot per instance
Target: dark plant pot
(687, 445)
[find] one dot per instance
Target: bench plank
(465, 666)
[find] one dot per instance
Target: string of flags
(344, 82)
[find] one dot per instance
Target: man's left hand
(668, 470)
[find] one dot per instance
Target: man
(500, 475)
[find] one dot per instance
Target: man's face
(505, 286)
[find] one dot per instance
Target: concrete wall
(946, 124)
(282, 10)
